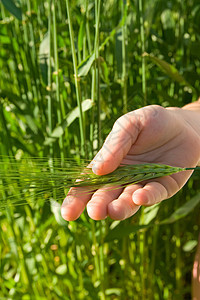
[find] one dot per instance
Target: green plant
(41, 255)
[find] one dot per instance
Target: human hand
(151, 134)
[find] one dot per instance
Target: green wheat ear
(33, 179)
(128, 174)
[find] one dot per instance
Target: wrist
(194, 106)
(190, 115)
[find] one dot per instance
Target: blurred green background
(69, 69)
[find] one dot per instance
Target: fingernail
(95, 169)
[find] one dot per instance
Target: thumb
(118, 143)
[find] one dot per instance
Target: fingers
(77, 199)
(116, 202)
(156, 191)
(124, 207)
(123, 135)
(121, 204)
(74, 203)
(150, 194)
(97, 207)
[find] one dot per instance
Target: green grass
(52, 59)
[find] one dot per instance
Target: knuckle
(127, 123)
(121, 121)
(152, 114)
(138, 119)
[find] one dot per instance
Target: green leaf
(69, 119)
(150, 213)
(86, 105)
(85, 65)
(118, 51)
(81, 34)
(44, 57)
(13, 9)
(104, 70)
(56, 208)
(170, 70)
(183, 211)
(31, 123)
(190, 245)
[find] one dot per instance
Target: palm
(154, 135)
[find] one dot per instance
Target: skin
(152, 134)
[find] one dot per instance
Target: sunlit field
(68, 70)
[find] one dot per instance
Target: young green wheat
(28, 180)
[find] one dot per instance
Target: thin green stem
(178, 265)
(142, 37)
(124, 58)
(59, 114)
(77, 82)
(95, 250)
(142, 257)
(96, 66)
(196, 168)
(88, 27)
(32, 59)
(8, 143)
(50, 119)
(178, 268)
(153, 258)
(101, 260)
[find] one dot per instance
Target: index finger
(123, 135)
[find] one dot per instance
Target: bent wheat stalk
(33, 179)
